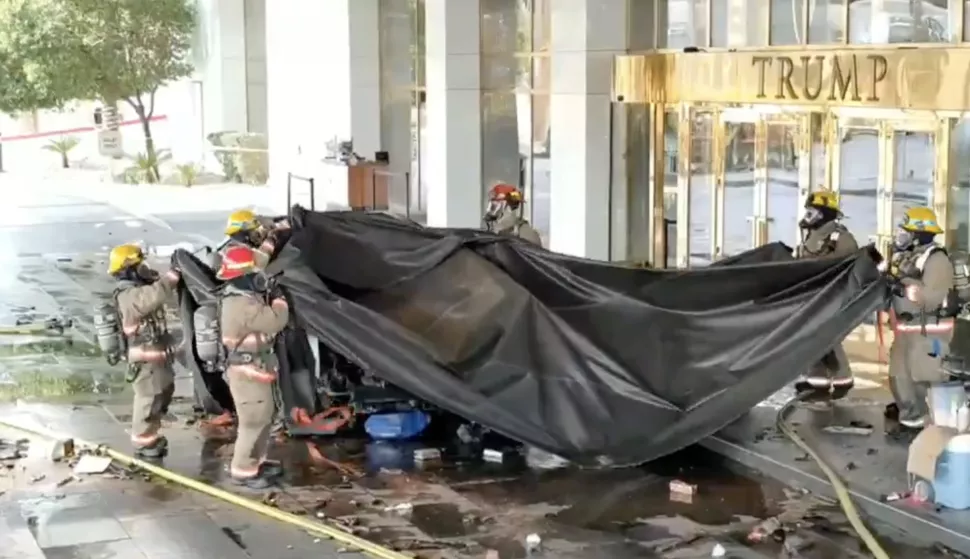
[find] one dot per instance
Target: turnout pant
(255, 408)
(915, 362)
(831, 377)
(154, 387)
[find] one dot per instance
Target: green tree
(56, 51)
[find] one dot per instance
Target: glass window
(788, 22)
(958, 204)
(826, 22)
(739, 23)
(402, 104)
(515, 102)
(899, 21)
(686, 23)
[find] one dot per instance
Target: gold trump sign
(915, 78)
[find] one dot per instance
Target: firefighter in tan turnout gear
(504, 214)
(250, 319)
(245, 228)
(140, 299)
(823, 235)
(924, 307)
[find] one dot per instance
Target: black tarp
(595, 362)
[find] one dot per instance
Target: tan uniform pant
(255, 406)
(915, 362)
(154, 387)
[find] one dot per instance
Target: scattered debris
(718, 551)
(427, 454)
(491, 554)
(13, 450)
(895, 496)
(848, 430)
(91, 464)
(532, 543)
(400, 508)
(795, 545)
(37, 478)
(684, 488)
(766, 528)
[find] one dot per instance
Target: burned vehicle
(322, 392)
(568, 355)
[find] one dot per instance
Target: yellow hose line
(317, 528)
(841, 491)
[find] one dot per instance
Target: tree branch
(151, 109)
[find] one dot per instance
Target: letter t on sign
(762, 62)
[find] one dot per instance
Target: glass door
(860, 177)
(914, 167)
(736, 158)
(787, 174)
(696, 177)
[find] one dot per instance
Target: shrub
(188, 173)
(63, 147)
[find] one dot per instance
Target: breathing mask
(903, 239)
(811, 218)
(494, 210)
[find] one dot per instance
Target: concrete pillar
(256, 65)
(323, 77)
(223, 24)
(454, 130)
(586, 35)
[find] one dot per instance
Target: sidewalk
(152, 200)
(48, 512)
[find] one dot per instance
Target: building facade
(670, 131)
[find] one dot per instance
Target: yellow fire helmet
(124, 256)
(921, 220)
(241, 220)
(823, 199)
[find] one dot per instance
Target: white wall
(323, 77)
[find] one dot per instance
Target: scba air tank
(208, 342)
(107, 329)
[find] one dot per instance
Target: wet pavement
(54, 256)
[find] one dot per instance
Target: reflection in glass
(701, 190)
(913, 177)
(859, 182)
(958, 210)
(826, 21)
(787, 22)
(402, 61)
(501, 160)
(540, 198)
(782, 187)
(670, 185)
(817, 169)
(638, 129)
(739, 207)
(739, 23)
(686, 23)
(898, 21)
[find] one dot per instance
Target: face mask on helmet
(811, 218)
(494, 210)
(903, 239)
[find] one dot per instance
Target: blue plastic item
(396, 426)
(951, 488)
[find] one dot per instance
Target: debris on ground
(767, 528)
(532, 543)
(718, 551)
(848, 430)
(682, 492)
(13, 450)
(91, 464)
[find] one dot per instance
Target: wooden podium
(367, 186)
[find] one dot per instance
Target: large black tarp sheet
(599, 363)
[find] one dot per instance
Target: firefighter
(245, 228)
(504, 214)
(824, 235)
(140, 297)
(252, 315)
(924, 314)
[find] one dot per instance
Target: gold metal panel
(884, 182)
(717, 200)
(658, 250)
(927, 78)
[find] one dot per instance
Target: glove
(173, 275)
